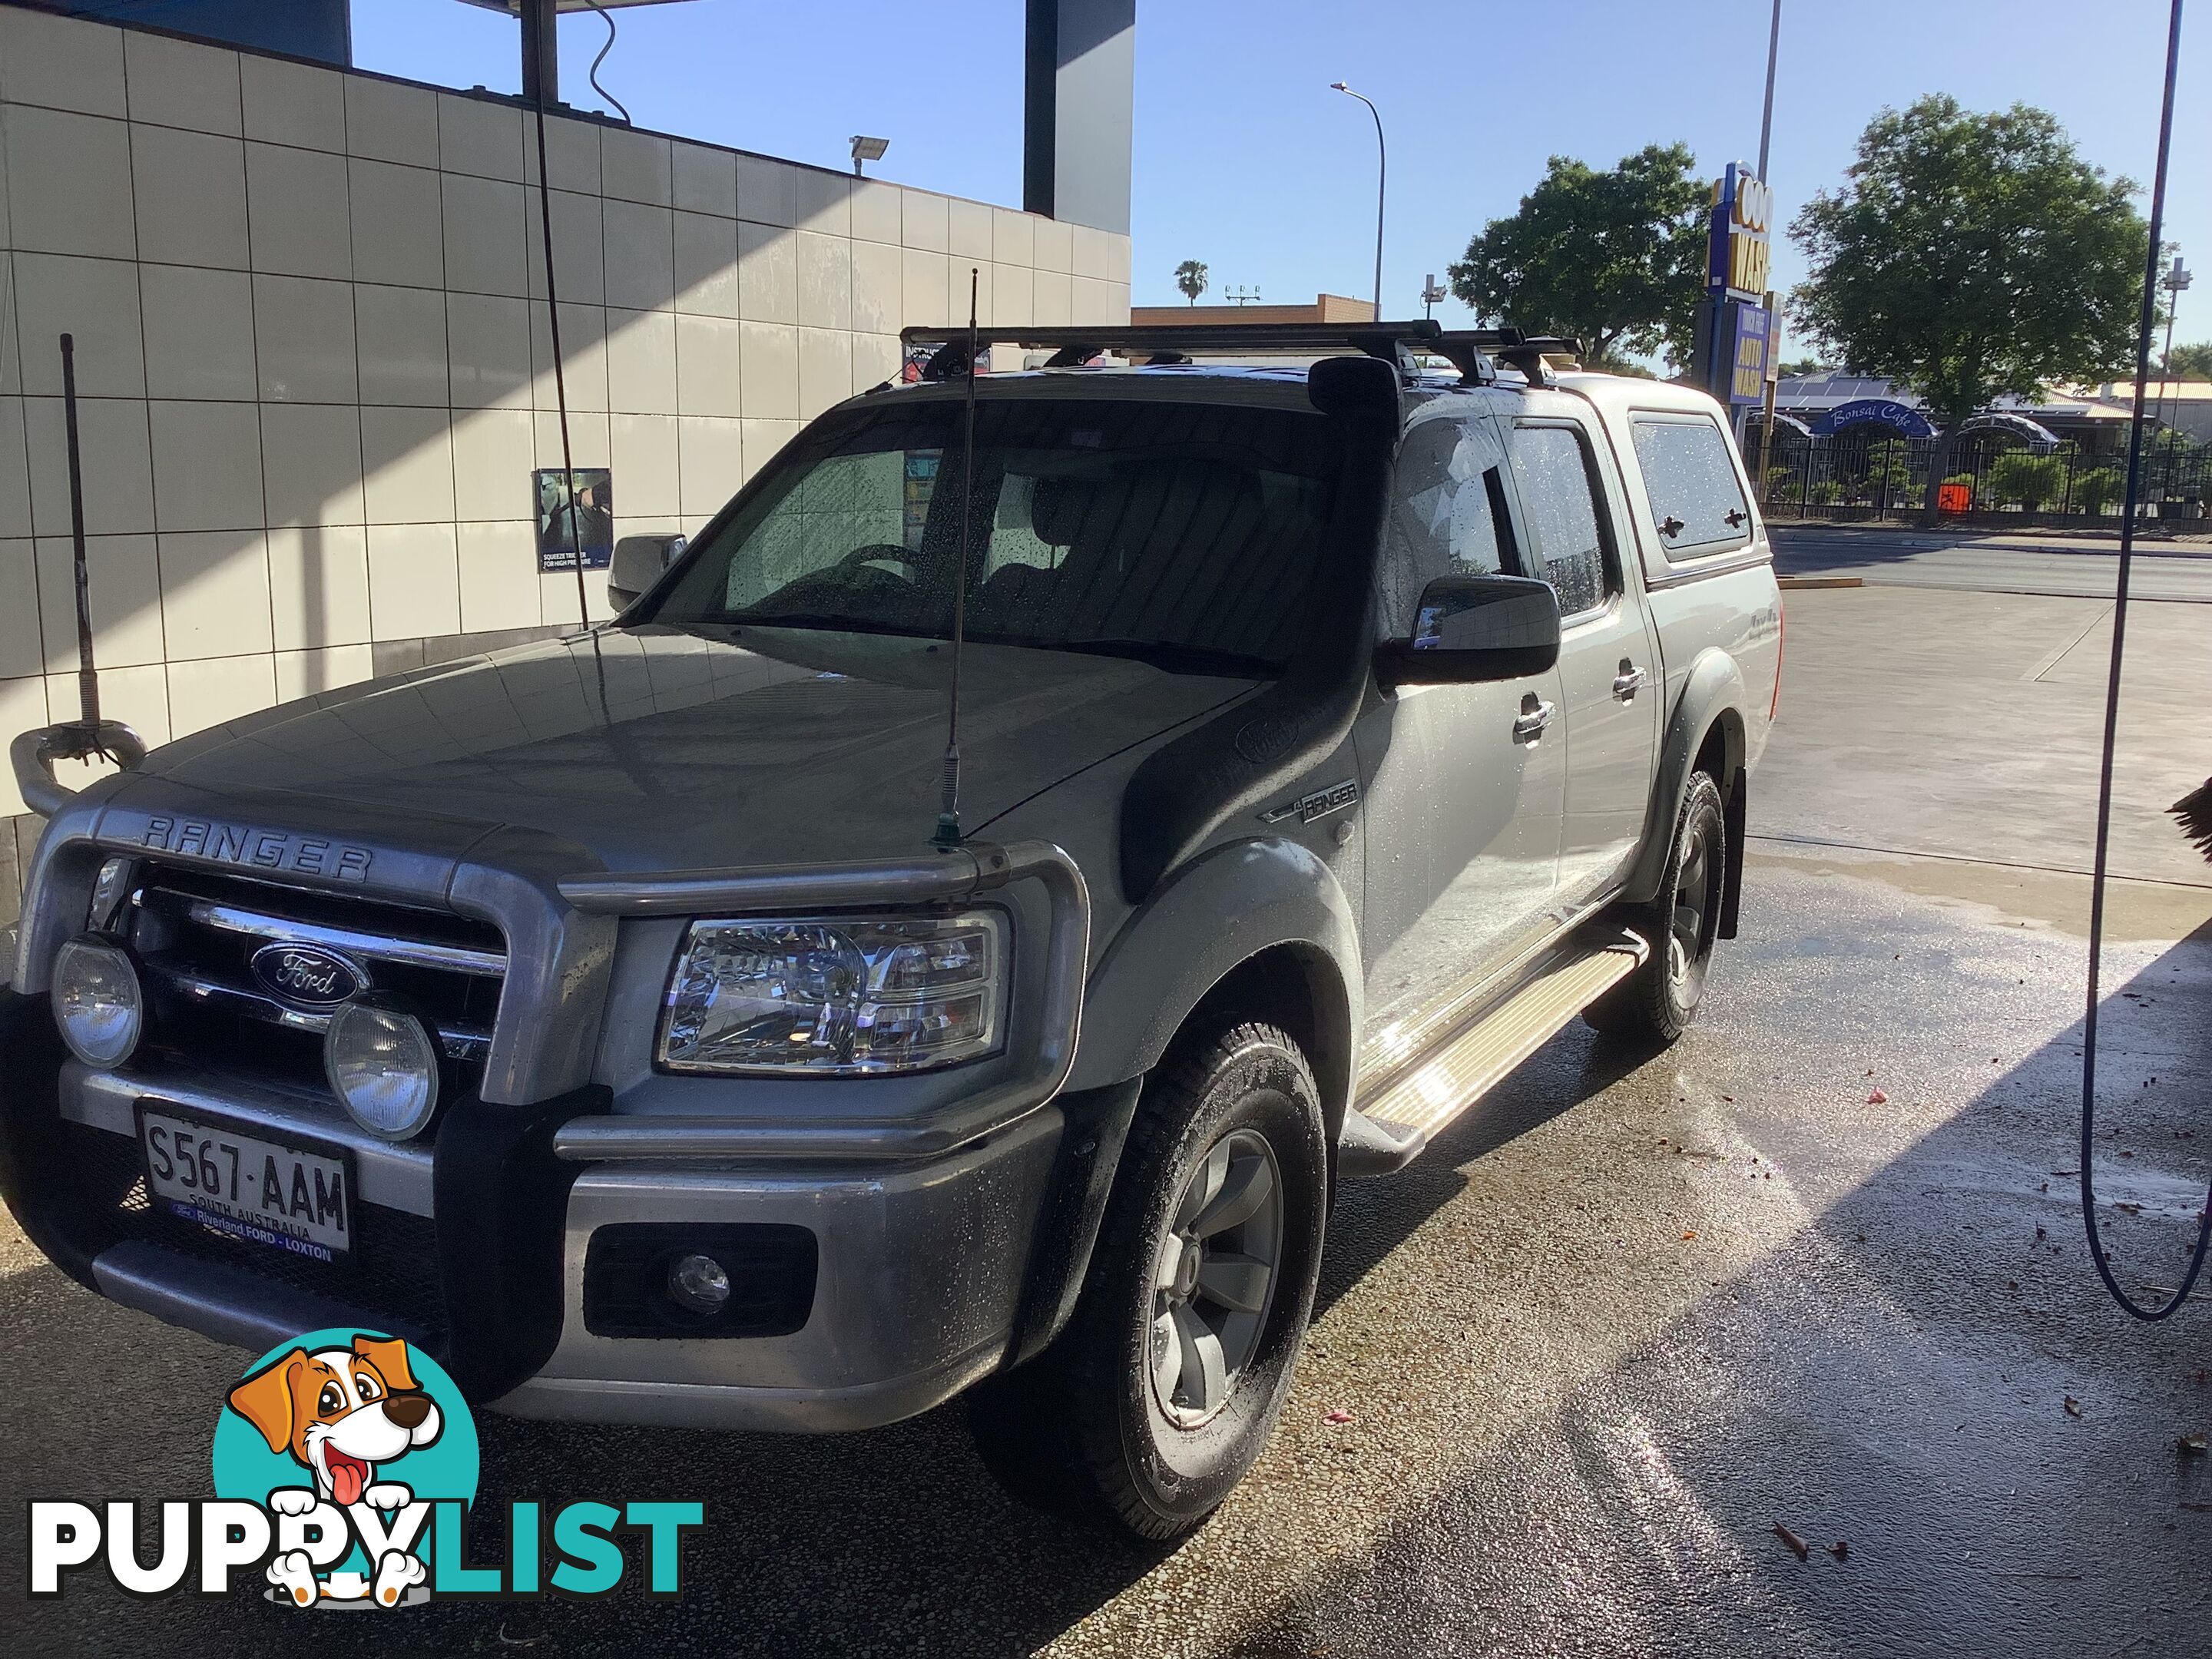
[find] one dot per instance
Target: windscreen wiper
(1168, 654)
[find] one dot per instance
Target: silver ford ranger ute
(615, 1017)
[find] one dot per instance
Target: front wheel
(1162, 1392)
(1656, 1003)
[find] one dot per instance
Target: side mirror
(1469, 630)
(637, 563)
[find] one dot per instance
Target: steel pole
(1382, 185)
(1767, 116)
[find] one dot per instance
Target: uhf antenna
(87, 676)
(948, 814)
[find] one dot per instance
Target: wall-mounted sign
(1880, 411)
(1737, 251)
(590, 525)
(1752, 338)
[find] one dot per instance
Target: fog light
(698, 1284)
(383, 1063)
(96, 1001)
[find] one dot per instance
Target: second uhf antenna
(948, 815)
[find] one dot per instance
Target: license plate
(283, 1196)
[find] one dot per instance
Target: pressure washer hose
(2112, 736)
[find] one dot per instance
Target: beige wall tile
(706, 180)
(576, 148)
(823, 202)
(926, 288)
(60, 61)
(583, 354)
(825, 281)
(387, 121)
(1090, 256)
(645, 467)
(117, 466)
(293, 103)
(556, 592)
(494, 451)
(1014, 237)
(401, 335)
(123, 576)
(878, 276)
(588, 442)
(22, 651)
(96, 300)
(488, 352)
(970, 229)
(767, 274)
(209, 693)
(641, 362)
(706, 264)
(967, 274)
(476, 136)
(23, 706)
(68, 182)
(139, 697)
(399, 225)
(1010, 296)
(214, 594)
(1094, 302)
(486, 236)
(408, 466)
(768, 192)
(318, 586)
(297, 207)
(199, 332)
(180, 83)
(768, 370)
(875, 208)
(825, 369)
(414, 581)
(14, 482)
(763, 439)
(305, 674)
(579, 256)
(303, 340)
(875, 360)
(1052, 299)
(1055, 245)
(207, 465)
(925, 221)
(640, 258)
(311, 464)
(711, 456)
(706, 365)
(498, 565)
(634, 166)
(190, 189)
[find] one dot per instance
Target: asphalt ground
(1820, 1265)
(2074, 566)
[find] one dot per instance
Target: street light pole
(1766, 115)
(1381, 181)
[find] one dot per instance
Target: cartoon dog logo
(340, 1414)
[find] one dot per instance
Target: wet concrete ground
(1620, 1323)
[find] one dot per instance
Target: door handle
(1628, 682)
(1535, 714)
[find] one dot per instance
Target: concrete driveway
(1622, 1320)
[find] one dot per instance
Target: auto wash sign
(1737, 248)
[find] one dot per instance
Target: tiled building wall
(314, 363)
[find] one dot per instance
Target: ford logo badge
(307, 975)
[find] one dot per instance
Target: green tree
(1190, 277)
(2189, 362)
(1616, 258)
(1967, 256)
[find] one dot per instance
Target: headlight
(96, 1001)
(383, 1063)
(835, 996)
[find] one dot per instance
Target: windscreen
(1181, 534)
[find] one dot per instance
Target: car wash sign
(1737, 249)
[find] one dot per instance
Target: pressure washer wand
(948, 815)
(87, 676)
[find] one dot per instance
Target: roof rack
(1469, 350)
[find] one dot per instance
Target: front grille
(196, 935)
(392, 1270)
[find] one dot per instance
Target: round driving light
(383, 1063)
(698, 1284)
(96, 1001)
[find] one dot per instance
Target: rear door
(1463, 789)
(1609, 667)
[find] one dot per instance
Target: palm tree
(1190, 277)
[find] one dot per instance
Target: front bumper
(931, 1272)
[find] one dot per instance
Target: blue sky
(1244, 158)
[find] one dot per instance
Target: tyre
(1162, 1392)
(1656, 1003)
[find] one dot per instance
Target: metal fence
(1870, 474)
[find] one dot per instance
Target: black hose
(2146, 324)
(593, 73)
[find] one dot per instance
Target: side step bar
(1388, 1129)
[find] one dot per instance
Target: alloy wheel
(1214, 1277)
